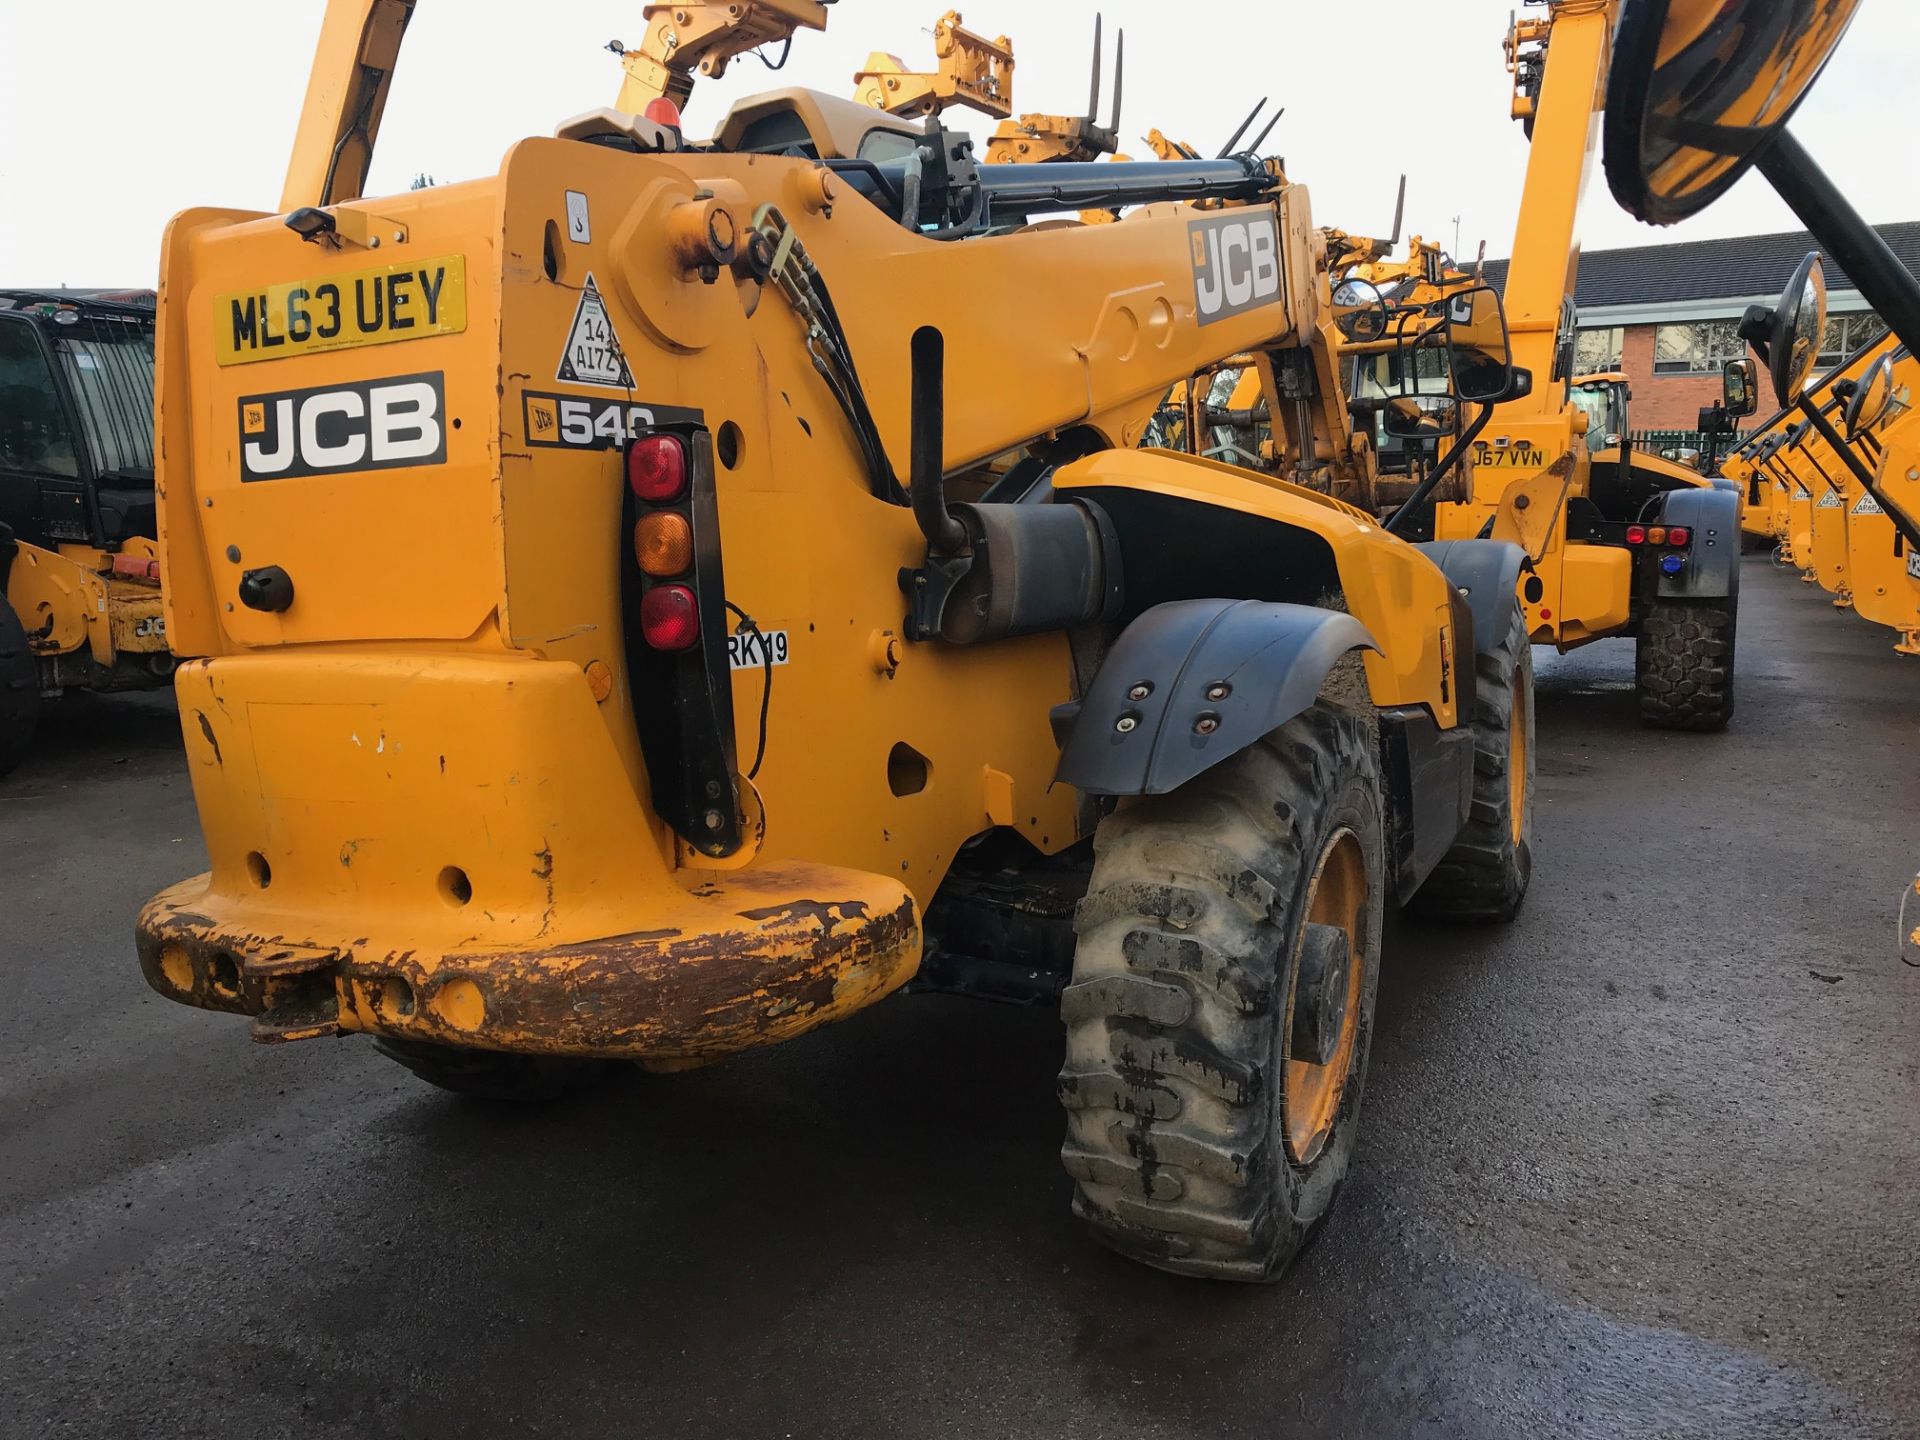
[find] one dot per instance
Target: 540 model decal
(587, 422)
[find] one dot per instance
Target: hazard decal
(1829, 501)
(1868, 506)
(594, 355)
(1801, 492)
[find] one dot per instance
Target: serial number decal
(752, 649)
(334, 429)
(594, 354)
(1868, 506)
(339, 312)
(150, 627)
(1830, 501)
(586, 422)
(1236, 263)
(1509, 457)
(1913, 564)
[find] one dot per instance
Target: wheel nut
(1140, 691)
(1219, 691)
(1126, 724)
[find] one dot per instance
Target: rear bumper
(450, 848)
(751, 959)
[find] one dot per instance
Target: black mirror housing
(1696, 93)
(1799, 329)
(1739, 388)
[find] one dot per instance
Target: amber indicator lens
(663, 544)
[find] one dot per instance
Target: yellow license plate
(405, 301)
(1510, 457)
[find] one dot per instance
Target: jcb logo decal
(1236, 263)
(336, 429)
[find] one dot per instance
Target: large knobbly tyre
(490, 1075)
(1685, 664)
(1222, 1003)
(19, 690)
(1484, 876)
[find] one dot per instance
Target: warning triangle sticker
(1803, 492)
(1829, 501)
(1868, 506)
(594, 354)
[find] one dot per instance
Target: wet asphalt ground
(1645, 1164)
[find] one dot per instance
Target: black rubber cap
(269, 588)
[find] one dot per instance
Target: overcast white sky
(116, 113)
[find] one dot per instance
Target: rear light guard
(675, 625)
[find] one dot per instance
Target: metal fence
(1660, 442)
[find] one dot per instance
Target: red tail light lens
(1636, 534)
(1679, 535)
(657, 468)
(670, 618)
(662, 111)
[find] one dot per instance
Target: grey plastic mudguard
(1487, 574)
(1713, 557)
(1272, 660)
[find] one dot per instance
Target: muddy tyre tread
(490, 1076)
(1185, 936)
(19, 690)
(1484, 877)
(1684, 664)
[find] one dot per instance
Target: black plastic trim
(683, 703)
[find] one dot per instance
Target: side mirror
(1872, 399)
(1799, 329)
(1740, 388)
(1479, 347)
(1697, 91)
(1421, 417)
(1360, 311)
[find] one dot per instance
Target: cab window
(34, 433)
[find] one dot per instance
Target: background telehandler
(79, 580)
(1584, 507)
(800, 620)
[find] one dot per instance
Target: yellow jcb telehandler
(801, 621)
(1584, 504)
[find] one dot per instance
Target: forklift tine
(1261, 138)
(1119, 77)
(1399, 212)
(1093, 100)
(1227, 149)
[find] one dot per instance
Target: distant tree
(423, 181)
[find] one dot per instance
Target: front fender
(1270, 659)
(1713, 559)
(1486, 574)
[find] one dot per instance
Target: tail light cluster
(673, 598)
(657, 476)
(1658, 535)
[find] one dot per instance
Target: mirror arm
(1440, 472)
(1856, 246)
(1902, 521)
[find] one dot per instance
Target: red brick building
(1668, 315)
